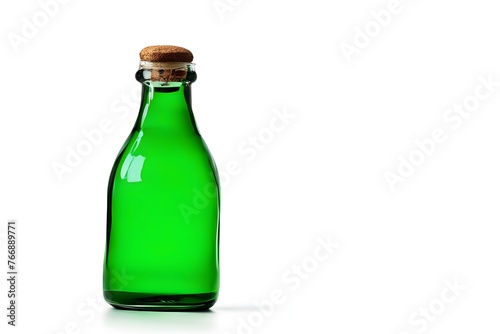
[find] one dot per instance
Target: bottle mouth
(166, 72)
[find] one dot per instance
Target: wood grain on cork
(166, 53)
(168, 75)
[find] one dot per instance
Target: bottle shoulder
(164, 155)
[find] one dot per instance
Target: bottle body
(162, 245)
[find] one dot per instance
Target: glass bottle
(162, 244)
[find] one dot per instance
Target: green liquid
(162, 246)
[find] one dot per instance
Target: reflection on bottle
(132, 168)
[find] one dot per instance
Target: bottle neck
(166, 98)
(166, 108)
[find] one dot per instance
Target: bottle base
(159, 302)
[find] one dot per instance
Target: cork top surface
(166, 53)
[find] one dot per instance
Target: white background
(321, 176)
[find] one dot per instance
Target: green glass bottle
(162, 245)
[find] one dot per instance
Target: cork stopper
(165, 63)
(166, 53)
